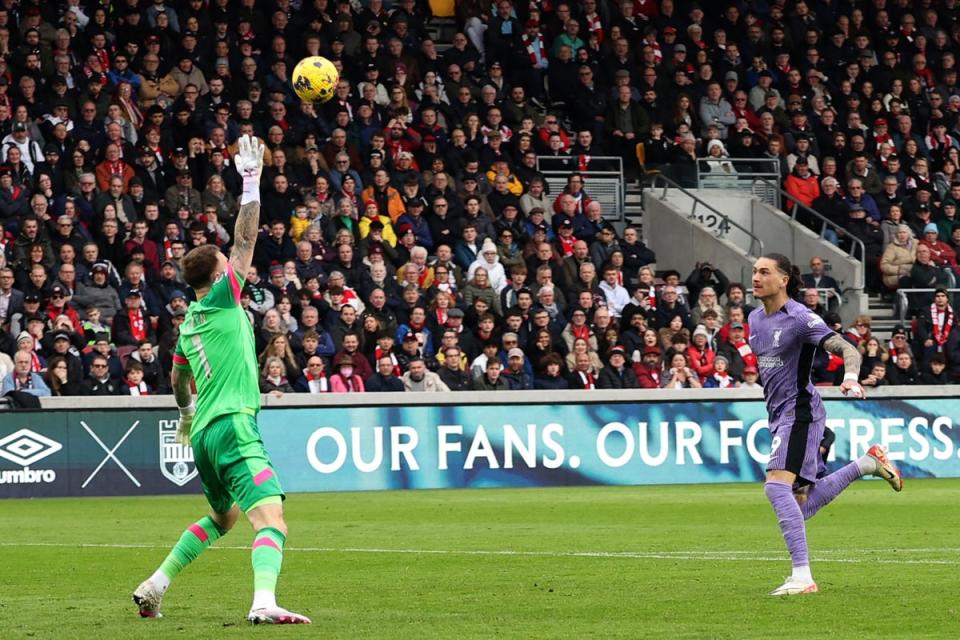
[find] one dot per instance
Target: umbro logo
(25, 447)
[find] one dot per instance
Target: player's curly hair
(785, 267)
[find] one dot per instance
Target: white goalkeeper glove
(249, 164)
(186, 422)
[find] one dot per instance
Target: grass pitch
(597, 562)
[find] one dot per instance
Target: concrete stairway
(883, 317)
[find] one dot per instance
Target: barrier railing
(903, 300)
(603, 180)
(735, 173)
(724, 222)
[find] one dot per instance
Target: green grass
(690, 562)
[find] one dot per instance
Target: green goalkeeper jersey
(216, 343)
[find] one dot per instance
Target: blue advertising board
(122, 452)
(421, 447)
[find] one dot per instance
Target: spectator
(133, 381)
(345, 380)
(490, 379)
(936, 326)
(649, 369)
(57, 379)
(23, 378)
(517, 376)
(898, 258)
(551, 374)
(936, 371)
(273, 380)
(385, 379)
(679, 375)
(100, 382)
(417, 378)
(750, 379)
(904, 371)
(617, 375)
(314, 379)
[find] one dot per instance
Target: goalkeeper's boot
(886, 469)
(276, 615)
(795, 587)
(147, 597)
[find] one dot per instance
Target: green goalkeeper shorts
(233, 464)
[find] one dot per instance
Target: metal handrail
(750, 162)
(669, 183)
(797, 205)
(903, 304)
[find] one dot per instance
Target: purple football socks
(790, 519)
(828, 488)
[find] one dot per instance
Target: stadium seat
(442, 8)
(124, 354)
(642, 159)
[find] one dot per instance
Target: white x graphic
(110, 454)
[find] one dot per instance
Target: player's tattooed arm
(249, 164)
(245, 237)
(851, 357)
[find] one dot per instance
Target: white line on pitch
(692, 555)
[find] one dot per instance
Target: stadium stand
(461, 200)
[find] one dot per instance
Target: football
(315, 79)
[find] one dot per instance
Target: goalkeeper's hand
(186, 422)
(249, 159)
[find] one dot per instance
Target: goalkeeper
(216, 350)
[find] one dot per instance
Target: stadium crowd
(408, 241)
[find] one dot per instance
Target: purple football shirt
(784, 344)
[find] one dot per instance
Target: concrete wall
(777, 233)
(680, 242)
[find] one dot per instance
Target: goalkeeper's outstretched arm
(249, 164)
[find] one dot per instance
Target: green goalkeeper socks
(194, 540)
(267, 558)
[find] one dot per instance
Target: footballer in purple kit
(785, 335)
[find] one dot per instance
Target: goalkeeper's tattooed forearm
(245, 232)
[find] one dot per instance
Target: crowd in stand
(408, 240)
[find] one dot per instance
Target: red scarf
(140, 389)
(942, 325)
(321, 383)
(441, 317)
(893, 353)
(587, 378)
(534, 48)
(595, 26)
(743, 348)
(581, 332)
(566, 246)
(724, 380)
(137, 326)
(116, 168)
(583, 162)
(35, 365)
(652, 298)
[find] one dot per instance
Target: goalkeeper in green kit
(216, 350)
